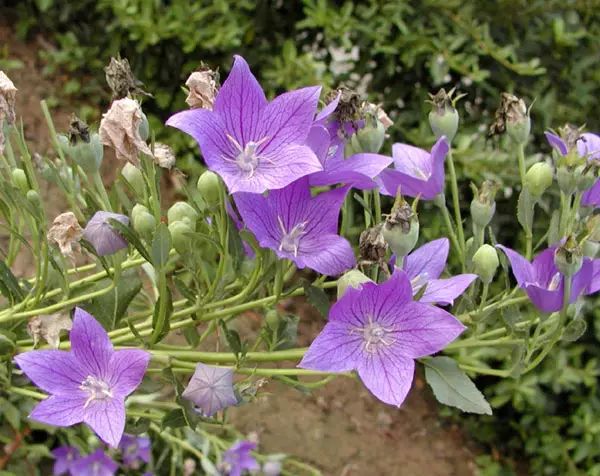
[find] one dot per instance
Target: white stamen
(96, 389)
(247, 158)
(554, 282)
(375, 335)
(419, 281)
(290, 241)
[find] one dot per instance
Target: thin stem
(456, 202)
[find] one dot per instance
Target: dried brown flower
(120, 129)
(48, 327)
(121, 80)
(203, 87)
(164, 155)
(8, 94)
(66, 233)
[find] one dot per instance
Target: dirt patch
(341, 428)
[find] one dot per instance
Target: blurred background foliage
(394, 52)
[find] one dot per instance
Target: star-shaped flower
(416, 171)
(299, 227)
(64, 457)
(96, 464)
(211, 389)
(425, 265)
(238, 459)
(544, 283)
(378, 330)
(88, 384)
(358, 170)
(254, 145)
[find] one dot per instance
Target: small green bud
(182, 211)
(483, 205)
(138, 208)
(485, 263)
(134, 178)
(34, 198)
(443, 117)
(370, 138)
(567, 181)
(209, 186)
(144, 223)
(401, 229)
(272, 319)
(353, 278)
(568, 257)
(179, 235)
(19, 179)
(144, 127)
(538, 178)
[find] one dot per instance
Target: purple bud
(103, 237)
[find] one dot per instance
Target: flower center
(419, 281)
(375, 336)
(554, 282)
(290, 241)
(96, 389)
(247, 157)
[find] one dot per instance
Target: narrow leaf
(161, 245)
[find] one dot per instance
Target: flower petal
(591, 197)
(594, 283)
(90, 344)
(329, 109)
(278, 169)
(387, 375)
(422, 329)
(318, 140)
(127, 368)
(54, 371)
(335, 349)
(239, 103)
(588, 146)
(412, 161)
(438, 157)
(521, 268)
(556, 142)
(258, 217)
(60, 410)
(107, 418)
(544, 268)
(544, 299)
(322, 212)
(287, 119)
(428, 259)
(330, 254)
(391, 180)
(445, 291)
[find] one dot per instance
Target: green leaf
(174, 419)
(10, 284)
(137, 426)
(318, 298)
(109, 308)
(132, 237)
(161, 245)
(525, 209)
(574, 330)
(11, 414)
(7, 343)
(287, 332)
(162, 315)
(452, 387)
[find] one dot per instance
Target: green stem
(521, 159)
(456, 202)
(197, 356)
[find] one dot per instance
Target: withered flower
(79, 131)
(8, 94)
(121, 80)
(48, 327)
(372, 246)
(164, 155)
(203, 87)
(120, 129)
(66, 233)
(512, 110)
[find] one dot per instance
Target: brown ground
(341, 428)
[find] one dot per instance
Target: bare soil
(341, 428)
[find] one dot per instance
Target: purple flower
(416, 171)
(378, 330)
(588, 145)
(254, 145)
(299, 227)
(424, 266)
(544, 284)
(591, 197)
(135, 450)
(103, 237)
(64, 457)
(238, 459)
(96, 464)
(357, 171)
(211, 389)
(88, 384)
